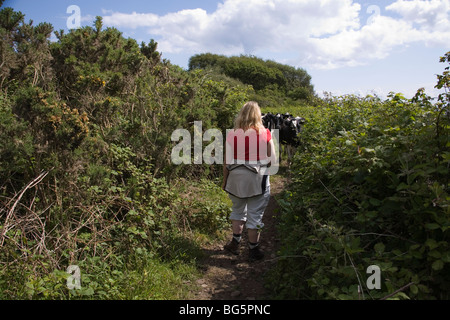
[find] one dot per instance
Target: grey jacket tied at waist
(247, 180)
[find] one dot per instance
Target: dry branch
(30, 185)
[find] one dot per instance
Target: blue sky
(348, 47)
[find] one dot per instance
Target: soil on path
(230, 277)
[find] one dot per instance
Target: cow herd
(289, 128)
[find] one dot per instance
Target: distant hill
(293, 83)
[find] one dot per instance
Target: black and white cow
(289, 128)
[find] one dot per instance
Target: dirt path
(230, 277)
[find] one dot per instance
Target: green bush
(85, 168)
(369, 187)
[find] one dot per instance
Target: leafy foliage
(370, 187)
(268, 78)
(86, 177)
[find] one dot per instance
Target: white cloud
(321, 33)
(133, 20)
(429, 15)
(428, 20)
(356, 47)
(425, 22)
(88, 18)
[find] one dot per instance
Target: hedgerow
(369, 187)
(86, 177)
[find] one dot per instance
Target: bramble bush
(369, 187)
(85, 171)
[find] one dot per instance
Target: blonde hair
(249, 117)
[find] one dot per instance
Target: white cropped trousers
(250, 210)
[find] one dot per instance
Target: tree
(150, 51)
(261, 74)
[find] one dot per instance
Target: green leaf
(446, 257)
(431, 243)
(435, 254)
(375, 202)
(379, 247)
(402, 186)
(133, 213)
(432, 226)
(400, 295)
(437, 265)
(88, 292)
(344, 297)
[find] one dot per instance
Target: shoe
(232, 246)
(255, 254)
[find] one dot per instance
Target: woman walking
(249, 152)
